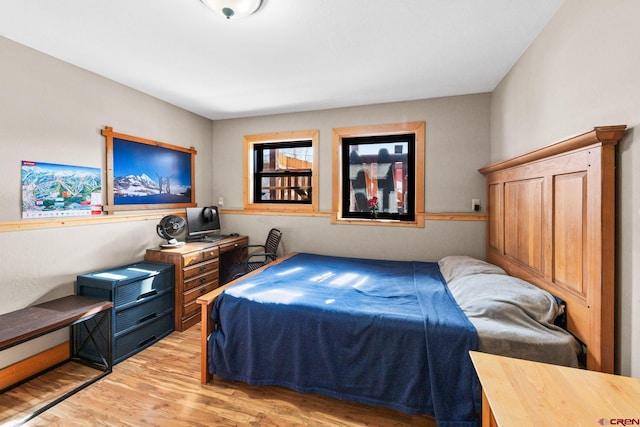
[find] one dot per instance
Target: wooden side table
(523, 393)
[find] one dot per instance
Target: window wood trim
(249, 141)
(418, 129)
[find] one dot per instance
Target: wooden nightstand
(523, 393)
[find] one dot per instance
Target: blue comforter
(384, 333)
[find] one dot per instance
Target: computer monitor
(202, 222)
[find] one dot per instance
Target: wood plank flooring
(160, 387)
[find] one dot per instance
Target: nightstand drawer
(202, 268)
(139, 314)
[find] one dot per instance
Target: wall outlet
(220, 201)
(475, 205)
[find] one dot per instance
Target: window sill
(270, 210)
(280, 208)
(419, 223)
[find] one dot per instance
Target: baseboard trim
(26, 368)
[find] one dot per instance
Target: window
(380, 174)
(281, 171)
(381, 170)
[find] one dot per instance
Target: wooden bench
(28, 323)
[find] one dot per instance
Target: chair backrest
(272, 243)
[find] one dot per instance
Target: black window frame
(410, 195)
(259, 173)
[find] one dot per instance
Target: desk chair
(263, 255)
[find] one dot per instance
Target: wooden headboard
(551, 219)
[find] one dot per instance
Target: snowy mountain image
(142, 189)
(135, 185)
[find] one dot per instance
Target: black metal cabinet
(143, 304)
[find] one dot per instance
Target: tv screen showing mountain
(149, 174)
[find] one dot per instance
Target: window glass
(378, 177)
(283, 172)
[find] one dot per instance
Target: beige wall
(51, 111)
(583, 71)
(457, 144)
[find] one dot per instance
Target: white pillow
(457, 266)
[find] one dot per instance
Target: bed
(405, 344)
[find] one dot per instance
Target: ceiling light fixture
(233, 8)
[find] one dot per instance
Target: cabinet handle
(147, 294)
(145, 318)
(147, 341)
(203, 267)
(203, 279)
(203, 291)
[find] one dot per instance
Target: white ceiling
(291, 55)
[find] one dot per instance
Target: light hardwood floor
(160, 387)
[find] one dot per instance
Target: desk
(200, 267)
(523, 393)
(28, 323)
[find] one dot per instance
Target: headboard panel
(551, 218)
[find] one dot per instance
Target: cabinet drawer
(190, 310)
(210, 253)
(145, 312)
(189, 297)
(139, 338)
(192, 319)
(192, 258)
(141, 289)
(201, 268)
(193, 294)
(202, 280)
(233, 245)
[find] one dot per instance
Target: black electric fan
(170, 228)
